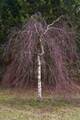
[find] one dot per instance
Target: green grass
(24, 106)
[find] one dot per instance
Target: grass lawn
(17, 105)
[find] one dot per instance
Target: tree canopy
(16, 12)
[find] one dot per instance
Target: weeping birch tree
(42, 56)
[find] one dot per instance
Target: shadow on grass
(12, 100)
(24, 103)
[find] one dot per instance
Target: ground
(18, 105)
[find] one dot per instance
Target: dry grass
(18, 105)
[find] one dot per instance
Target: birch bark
(39, 79)
(39, 55)
(39, 71)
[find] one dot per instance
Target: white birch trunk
(39, 67)
(39, 79)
